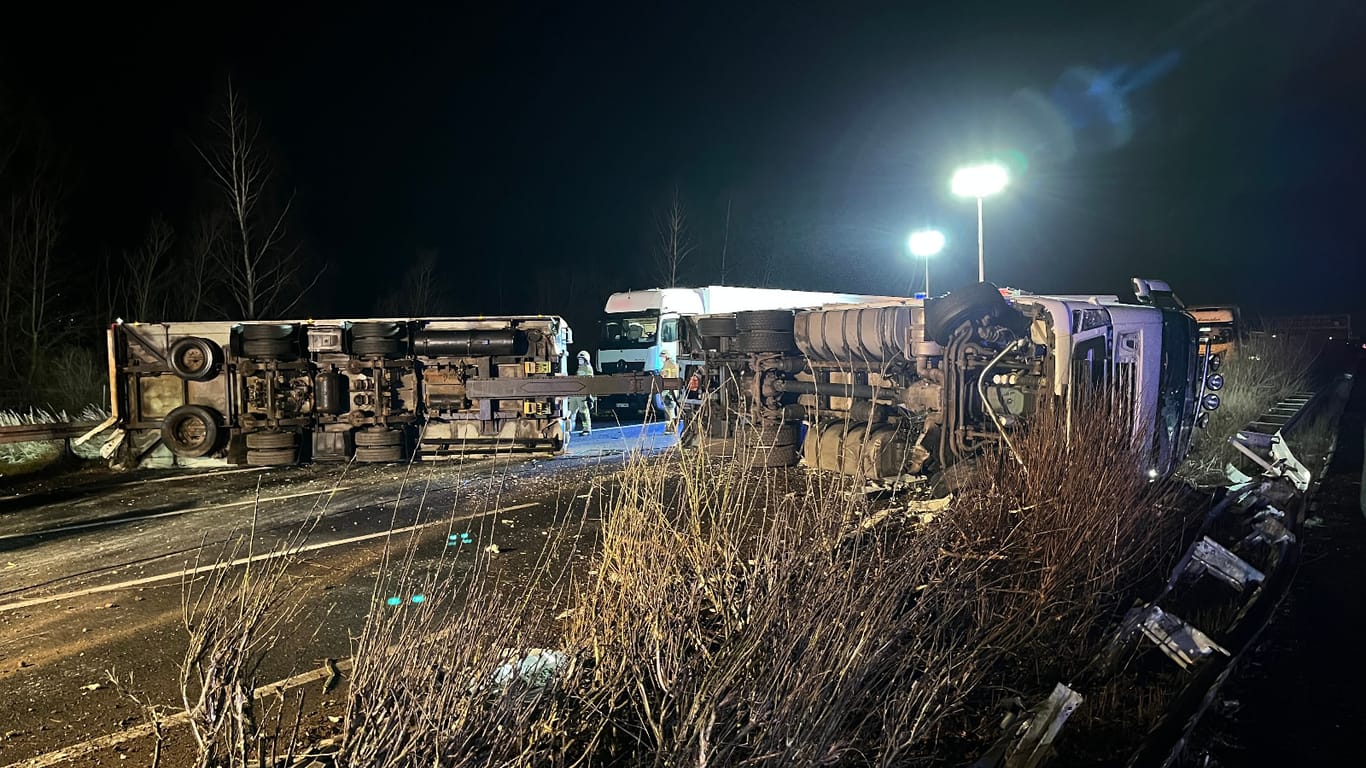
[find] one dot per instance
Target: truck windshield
(629, 331)
(1179, 382)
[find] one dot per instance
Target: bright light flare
(980, 181)
(925, 242)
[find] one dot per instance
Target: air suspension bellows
(468, 343)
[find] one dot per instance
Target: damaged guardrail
(1242, 560)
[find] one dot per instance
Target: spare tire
(190, 431)
(267, 331)
(195, 358)
(764, 320)
(944, 315)
(765, 341)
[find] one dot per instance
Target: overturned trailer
(372, 390)
(911, 387)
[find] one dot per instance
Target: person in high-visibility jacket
(574, 406)
(668, 369)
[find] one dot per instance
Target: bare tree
(770, 268)
(419, 292)
(674, 243)
(260, 269)
(202, 251)
(33, 239)
(420, 284)
(143, 279)
(725, 245)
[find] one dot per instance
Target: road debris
(537, 668)
(333, 675)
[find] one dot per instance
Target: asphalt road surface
(94, 564)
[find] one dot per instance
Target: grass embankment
(1264, 371)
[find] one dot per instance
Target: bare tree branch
(258, 269)
(199, 259)
(674, 243)
(725, 245)
(144, 271)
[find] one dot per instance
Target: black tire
(375, 330)
(944, 315)
(717, 325)
(717, 446)
(268, 349)
(764, 320)
(272, 457)
(376, 347)
(379, 454)
(377, 438)
(775, 456)
(267, 331)
(765, 341)
(190, 431)
(270, 439)
(778, 434)
(194, 358)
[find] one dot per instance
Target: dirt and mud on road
(92, 572)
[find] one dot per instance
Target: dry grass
(735, 617)
(233, 617)
(22, 458)
(1264, 371)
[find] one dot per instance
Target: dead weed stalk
(729, 617)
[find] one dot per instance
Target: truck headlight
(1214, 362)
(1215, 382)
(1210, 401)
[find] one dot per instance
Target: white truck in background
(639, 325)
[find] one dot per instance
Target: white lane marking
(85, 748)
(21, 604)
(172, 513)
(198, 475)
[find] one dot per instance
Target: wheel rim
(191, 432)
(193, 360)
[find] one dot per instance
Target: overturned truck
(895, 389)
(372, 390)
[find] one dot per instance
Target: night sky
(1215, 144)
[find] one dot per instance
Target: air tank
(466, 343)
(328, 392)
